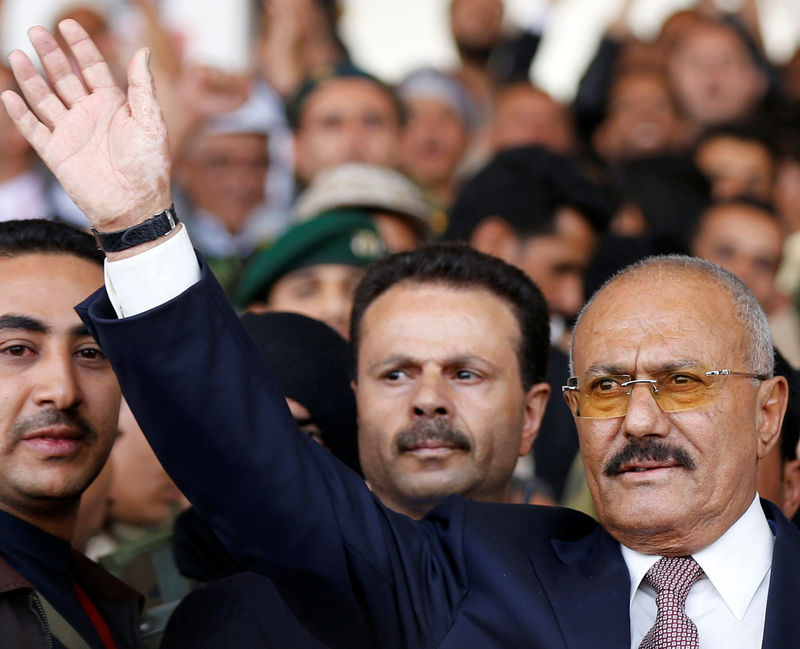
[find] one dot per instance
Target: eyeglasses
(607, 396)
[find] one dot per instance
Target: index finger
(94, 69)
(60, 73)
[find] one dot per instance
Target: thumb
(141, 90)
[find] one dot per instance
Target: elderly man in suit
(675, 403)
(672, 394)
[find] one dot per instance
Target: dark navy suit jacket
(358, 575)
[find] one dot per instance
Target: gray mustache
(645, 449)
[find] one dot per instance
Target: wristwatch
(156, 226)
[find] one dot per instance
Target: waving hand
(108, 150)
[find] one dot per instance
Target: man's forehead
(347, 92)
(730, 217)
(213, 142)
(432, 323)
(49, 284)
(414, 303)
(40, 263)
(665, 313)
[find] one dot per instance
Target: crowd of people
(368, 336)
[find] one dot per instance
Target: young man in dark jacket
(59, 405)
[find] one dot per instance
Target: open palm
(108, 150)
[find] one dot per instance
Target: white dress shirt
(728, 603)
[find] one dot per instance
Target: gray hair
(761, 356)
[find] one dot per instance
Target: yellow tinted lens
(683, 391)
(608, 396)
(600, 397)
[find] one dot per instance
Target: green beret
(346, 237)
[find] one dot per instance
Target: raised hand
(108, 150)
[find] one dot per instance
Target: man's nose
(356, 135)
(431, 398)
(644, 416)
(56, 381)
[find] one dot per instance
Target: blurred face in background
(737, 167)
(323, 292)
(225, 174)
(525, 116)
(713, 75)
(557, 262)
(747, 241)
(641, 118)
(348, 119)
(477, 25)
(433, 141)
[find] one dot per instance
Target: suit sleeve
(354, 572)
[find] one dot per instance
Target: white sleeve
(145, 281)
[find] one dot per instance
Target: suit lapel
(589, 588)
(782, 625)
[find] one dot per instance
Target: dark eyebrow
(399, 360)
(80, 330)
(10, 321)
(26, 323)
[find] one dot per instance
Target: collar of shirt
(735, 563)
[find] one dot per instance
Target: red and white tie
(672, 577)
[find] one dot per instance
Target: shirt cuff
(142, 282)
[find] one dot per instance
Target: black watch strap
(149, 230)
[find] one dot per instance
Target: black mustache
(646, 449)
(427, 430)
(54, 417)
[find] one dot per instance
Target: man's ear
(535, 404)
(494, 236)
(791, 488)
(773, 395)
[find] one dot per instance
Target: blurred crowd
(295, 177)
